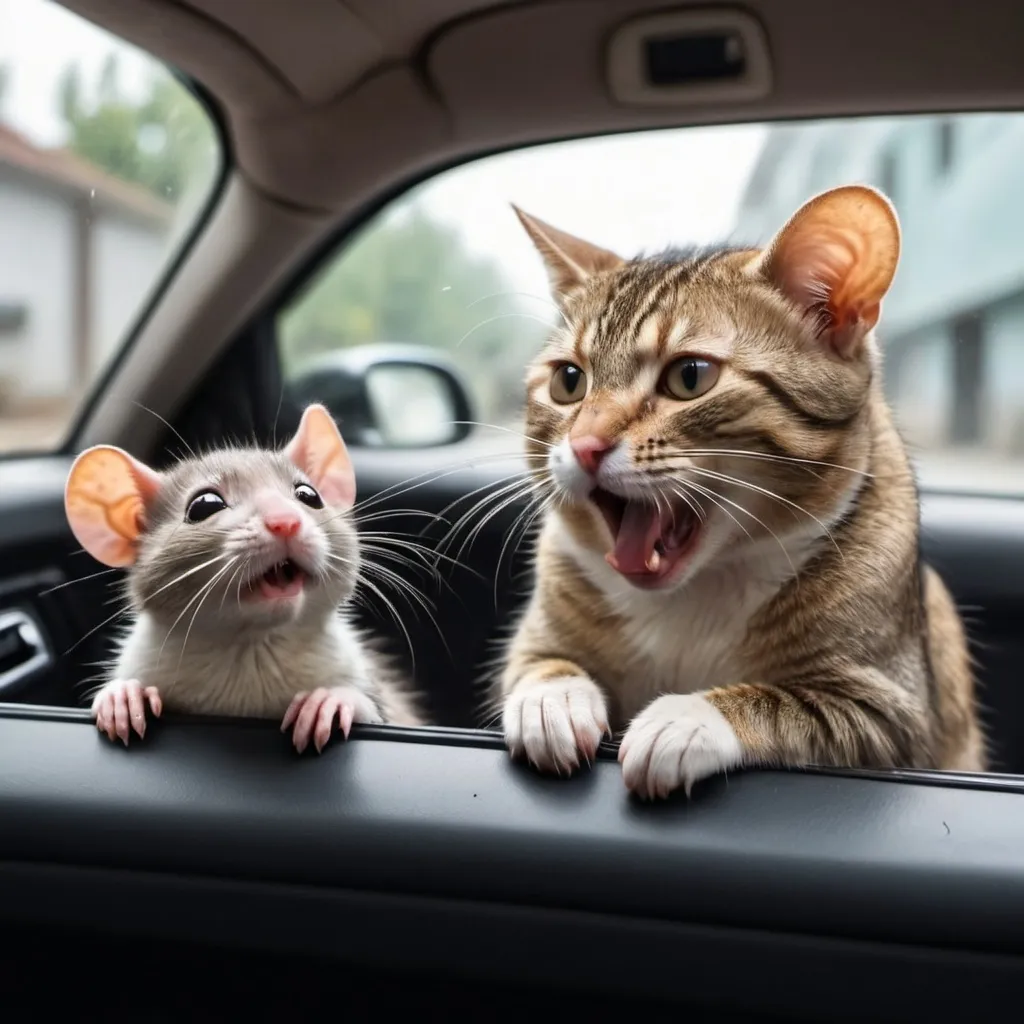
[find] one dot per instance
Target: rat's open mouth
(285, 579)
(652, 541)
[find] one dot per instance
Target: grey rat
(241, 563)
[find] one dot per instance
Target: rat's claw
(314, 714)
(120, 708)
(293, 710)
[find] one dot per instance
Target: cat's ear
(568, 259)
(105, 500)
(836, 257)
(319, 451)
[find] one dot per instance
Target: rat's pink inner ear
(319, 451)
(105, 499)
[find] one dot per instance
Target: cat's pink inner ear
(319, 451)
(105, 499)
(838, 255)
(569, 260)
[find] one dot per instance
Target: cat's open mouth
(283, 580)
(651, 541)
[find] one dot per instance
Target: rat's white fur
(245, 673)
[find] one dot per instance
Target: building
(79, 249)
(953, 325)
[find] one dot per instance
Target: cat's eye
(689, 377)
(204, 505)
(308, 495)
(568, 384)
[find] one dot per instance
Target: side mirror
(388, 396)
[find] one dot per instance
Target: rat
(241, 563)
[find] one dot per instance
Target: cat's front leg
(120, 707)
(855, 719)
(554, 715)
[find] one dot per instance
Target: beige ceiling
(330, 104)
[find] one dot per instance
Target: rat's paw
(677, 741)
(120, 708)
(553, 723)
(313, 714)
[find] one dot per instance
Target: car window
(448, 265)
(106, 162)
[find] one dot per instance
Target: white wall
(1004, 376)
(36, 247)
(127, 257)
(920, 384)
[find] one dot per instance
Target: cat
(728, 569)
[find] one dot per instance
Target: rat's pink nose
(282, 524)
(590, 451)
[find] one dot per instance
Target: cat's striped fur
(799, 626)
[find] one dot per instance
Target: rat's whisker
(207, 590)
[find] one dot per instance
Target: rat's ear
(105, 499)
(319, 451)
(837, 256)
(568, 259)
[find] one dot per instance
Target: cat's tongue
(650, 541)
(639, 531)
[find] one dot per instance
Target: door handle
(23, 650)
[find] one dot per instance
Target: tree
(408, 278)
(162, 140)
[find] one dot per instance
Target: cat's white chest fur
(688, 640)
(242, 674)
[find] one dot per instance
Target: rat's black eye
(308, 496)
(204, 505)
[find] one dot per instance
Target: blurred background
(106, 162)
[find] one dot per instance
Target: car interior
(213, 872)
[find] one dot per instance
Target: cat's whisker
(495, 502)
(537, 505)
(500, 316)
(429, 555)
(507, 430)
(718, 498)
(434, 475)
(764, 456)
(739, 482)
(527, 295)
(496, 491)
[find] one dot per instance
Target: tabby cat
(728, 568)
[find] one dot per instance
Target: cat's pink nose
(590, 451)
(282, 524)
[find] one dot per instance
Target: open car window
(107, 162)
(449, 267)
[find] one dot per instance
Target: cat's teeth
(653, 562)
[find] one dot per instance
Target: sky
(629, 192)
(38, 40)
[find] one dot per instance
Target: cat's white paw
(314, 714)
(553, 724)
(120, 707)
(674, 742)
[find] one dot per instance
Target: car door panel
(218, 832)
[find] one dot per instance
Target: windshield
(449, 265)
(106, 163)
